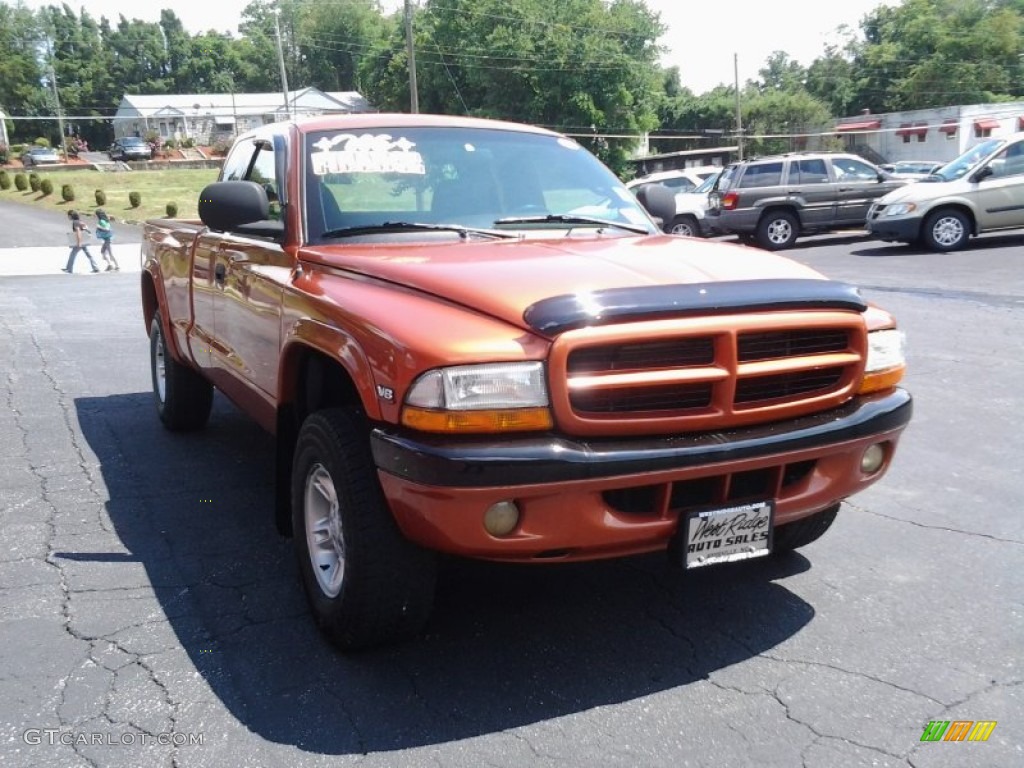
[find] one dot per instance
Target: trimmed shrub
(67, 192)
(41, 142)
(172, 210)
(46, 187)
(134, 199)
(33, 181)
(5, 180)
(20, 182)
(101, 197)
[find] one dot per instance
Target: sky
(701, 38)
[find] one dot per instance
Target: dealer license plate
(726, 535)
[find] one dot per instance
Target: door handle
(218, 273)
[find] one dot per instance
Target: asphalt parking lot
(152, 616)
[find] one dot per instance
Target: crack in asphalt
(947, 529)
(53, 560)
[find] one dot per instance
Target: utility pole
(280, 61)
(56, 98)
(739, 114)
(414, 97)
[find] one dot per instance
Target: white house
(208, 116)
(939, 134)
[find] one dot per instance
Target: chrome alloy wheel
(780, 231)
(160, 367)
(325, 540)
(948, 231)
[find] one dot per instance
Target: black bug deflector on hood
(616, 305)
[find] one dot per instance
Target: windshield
(467, 177)
(968, 160)
(707, 184)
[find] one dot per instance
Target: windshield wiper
(414, 226)
(563, 218)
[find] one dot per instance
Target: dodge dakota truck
(470, 339)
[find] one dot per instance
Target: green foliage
(101, 197)
(5, 180)
(47, 187)
(34, 181)
(67, 193)
(172, 210)
(20, 182)
(41, 141)
(134, 199)
(5, 153)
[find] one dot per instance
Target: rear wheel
(685, 225)
(183, 397)
(777, 230)
(366, 583)
(802, 532)
(946, 230)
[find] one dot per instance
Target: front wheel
(685, 226)
(945, 231)
(183, 397)
(777, 230)
(366, 583)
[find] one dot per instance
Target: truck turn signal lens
(880, 380)
(465, 422)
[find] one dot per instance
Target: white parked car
(980, 191)
(691, 186)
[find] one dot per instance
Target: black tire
(777, 230)
(184, 401)
(946, 230)
(802, 532)
(686, 226)
(366, 583)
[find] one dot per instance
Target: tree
(580, 66)
(21, 73)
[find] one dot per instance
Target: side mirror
(226, 205)
(659, 201)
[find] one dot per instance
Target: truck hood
(503, 278)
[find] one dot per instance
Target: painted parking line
(50, 260)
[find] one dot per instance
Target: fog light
(872, 459)
(502, 518)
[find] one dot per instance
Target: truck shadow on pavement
(507, 646)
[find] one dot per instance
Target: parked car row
(772, 201)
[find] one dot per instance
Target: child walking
(105, 233)
(78, 232)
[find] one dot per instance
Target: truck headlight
(492, 397)
(886, 364)
(900, 209)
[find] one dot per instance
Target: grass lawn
(157, 189)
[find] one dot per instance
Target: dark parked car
(774, 200)
(130, 148)
(40, 156)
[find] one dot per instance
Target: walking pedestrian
(105, 232)
(78, 232)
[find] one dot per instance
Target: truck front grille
(708, 373)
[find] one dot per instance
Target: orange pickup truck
(470, 338)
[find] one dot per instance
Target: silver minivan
(980, 191)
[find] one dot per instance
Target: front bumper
(902, 230)
(583, 499)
